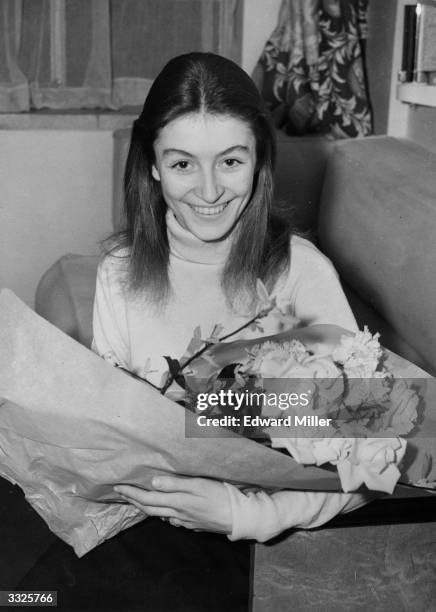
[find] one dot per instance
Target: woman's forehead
(201, 132)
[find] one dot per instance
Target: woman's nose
(209, 188)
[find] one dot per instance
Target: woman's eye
(231, 163)
(181, 165)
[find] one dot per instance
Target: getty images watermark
(234, 402)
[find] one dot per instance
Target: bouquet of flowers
(349, 409)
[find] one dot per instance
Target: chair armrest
(65, 295)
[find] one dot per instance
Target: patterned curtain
(312, 73)
(72, 54)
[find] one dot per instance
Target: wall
(422, 126)
(55, 198)
(379, 49)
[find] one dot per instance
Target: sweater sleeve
(314, 288)
(109, 326)
(260, 516)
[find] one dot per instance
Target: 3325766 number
(28, 598)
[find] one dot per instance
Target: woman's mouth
(209, 211)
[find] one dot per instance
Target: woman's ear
(154, 173)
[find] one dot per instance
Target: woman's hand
(318, 338)
(195, 503)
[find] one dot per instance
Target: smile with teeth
(209, 210)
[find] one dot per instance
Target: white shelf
(417, 93)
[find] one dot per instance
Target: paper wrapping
(73, 427)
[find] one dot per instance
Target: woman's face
(205, 164)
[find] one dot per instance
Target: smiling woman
(205, 164)
(202, 142)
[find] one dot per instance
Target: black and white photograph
(217, 305)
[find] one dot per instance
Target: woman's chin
(214, 230)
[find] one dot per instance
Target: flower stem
(133, 375)
(207, 345)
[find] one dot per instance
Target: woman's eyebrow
(167, 152)
(233, 149)
(236, 149)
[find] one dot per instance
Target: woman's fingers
(169, 501)
(229, 352)
(160, 511)
(176, 484)
(164, 484)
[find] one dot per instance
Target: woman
(200, 231)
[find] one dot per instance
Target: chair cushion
(299, 175)
(65, 295)
(377, 223)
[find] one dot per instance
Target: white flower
(373, 462)
(360, 354)
(275, 360)
(314, 451)
(369, 461)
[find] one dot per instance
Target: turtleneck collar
(185, 245)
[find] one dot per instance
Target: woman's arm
(262, 516)
(109, 325)
(317, 338)
(208, 505)
(314, 290)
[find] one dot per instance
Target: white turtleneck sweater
(136, 335)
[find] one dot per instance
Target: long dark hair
(192, 83)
